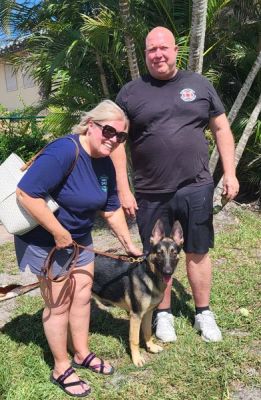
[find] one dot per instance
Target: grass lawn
(187, 369)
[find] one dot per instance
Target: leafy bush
(21, 134)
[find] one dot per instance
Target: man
(169, 111)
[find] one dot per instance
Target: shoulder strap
(31, 161)
(77, 152)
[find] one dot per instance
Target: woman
(80, 188)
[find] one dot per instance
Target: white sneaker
(206, 324)
(165, 331)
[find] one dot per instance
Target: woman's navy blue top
(91, 186)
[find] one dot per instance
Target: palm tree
(102, 75)
(124, 8)
(247, 131)
(236, 106)
(197, 35)
(242, 142)
(10, 14)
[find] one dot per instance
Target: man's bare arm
(225, 143)
(126, 197)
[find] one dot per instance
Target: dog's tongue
(166, 278)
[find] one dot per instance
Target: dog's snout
(168, 269)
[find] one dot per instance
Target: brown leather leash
(72, 260)
(14, 290)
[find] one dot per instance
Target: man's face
(161, 53)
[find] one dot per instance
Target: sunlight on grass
(8, 262)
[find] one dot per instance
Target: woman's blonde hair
(106, 110)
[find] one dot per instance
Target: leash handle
(72, 260)
(67, 268)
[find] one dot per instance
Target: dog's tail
(10, 291)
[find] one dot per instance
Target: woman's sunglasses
(109, 132)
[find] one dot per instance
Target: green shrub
(24, 135)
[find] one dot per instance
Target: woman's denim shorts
(29, 255)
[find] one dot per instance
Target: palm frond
(213, 75)
(183, 44)
(97, 30)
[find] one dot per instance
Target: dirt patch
(225, 217)
(247, 393)
(238, 333)
(255, 348)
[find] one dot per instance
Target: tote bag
(13, 216)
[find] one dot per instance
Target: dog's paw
(138, 360)
(154, 348)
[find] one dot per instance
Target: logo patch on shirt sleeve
(187, 95)
(104, 183)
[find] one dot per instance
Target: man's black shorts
(191, 205)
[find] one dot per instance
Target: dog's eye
(160, 251)
(173, 251)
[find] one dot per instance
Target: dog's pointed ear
(177, 233)
(158, 233)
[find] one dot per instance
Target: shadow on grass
(179, 301)
(104, 323)
(27, 328)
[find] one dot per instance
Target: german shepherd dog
(139, 287)
(136, 287)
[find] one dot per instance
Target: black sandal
(60, 382)
(98, 368)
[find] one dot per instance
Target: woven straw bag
(13, 216)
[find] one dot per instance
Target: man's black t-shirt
(167, 123)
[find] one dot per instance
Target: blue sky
(3, 36)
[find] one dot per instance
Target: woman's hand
(132, 250)
(62, 238)
(38, 208)
(117, 223)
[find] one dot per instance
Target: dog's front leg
(134, 337)
(147, 333)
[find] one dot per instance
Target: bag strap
(32, 159)
(77, 152)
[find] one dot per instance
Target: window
(10, 78)
(28, 81)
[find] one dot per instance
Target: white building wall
(16, 90)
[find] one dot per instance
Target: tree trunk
(197, 35)
(247, 131)
(102, 76)
(130, 47)
(241, 144)
(236, 106)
